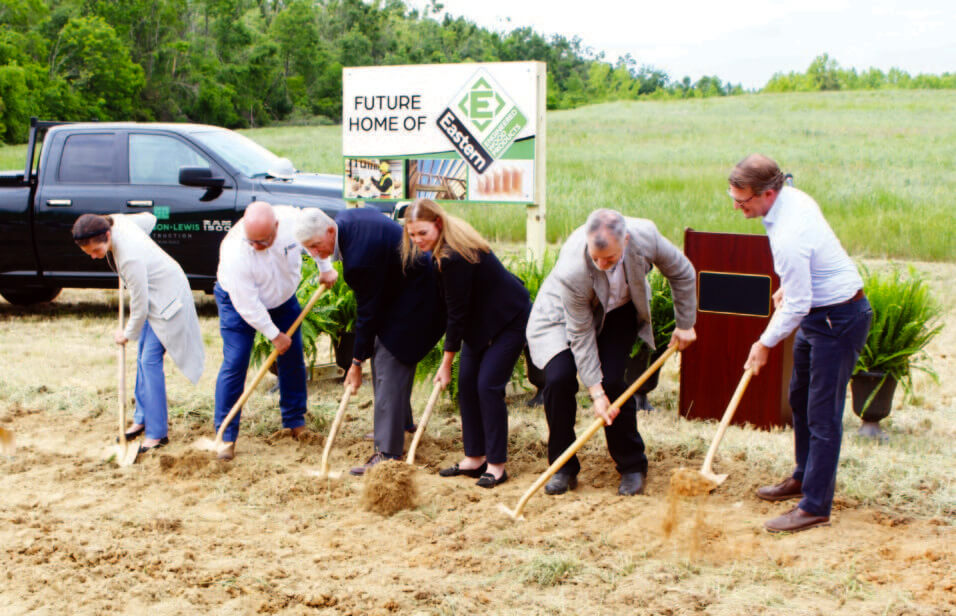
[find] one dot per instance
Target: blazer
(159, 292)
(482, 299)
(570, 307)
(403, 309)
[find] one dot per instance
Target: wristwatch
(356, 362)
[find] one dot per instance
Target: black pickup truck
(195, 179)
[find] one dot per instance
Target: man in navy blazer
(400, 313)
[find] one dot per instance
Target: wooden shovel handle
(265, 367)
(121, 374)
(423, 422)
(324, 467)
(725, 421)
(594, 427)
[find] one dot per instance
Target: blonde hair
(454, 234)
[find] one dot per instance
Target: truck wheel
(30, 295)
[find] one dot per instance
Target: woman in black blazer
(488, 309)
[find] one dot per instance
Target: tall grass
(880, 163)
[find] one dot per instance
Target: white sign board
(447, 132)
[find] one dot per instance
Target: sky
(743, 42)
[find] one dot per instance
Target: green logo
(489, 114)
(161, 212)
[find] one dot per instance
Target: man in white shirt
(260, 266)
(821, 293)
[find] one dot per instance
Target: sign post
(452, 133)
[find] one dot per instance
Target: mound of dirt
(389, 488)
(191, 464)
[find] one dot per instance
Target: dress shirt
(259, 280)
(814, 268)
(617, 286)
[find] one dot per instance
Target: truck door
(191, 221)
(84, 178)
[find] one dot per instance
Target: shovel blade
(717, 479)
(324, 474)
(511, 514)
(8, 444)
(206, 444)
(126, 453)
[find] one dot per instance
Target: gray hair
(604, 224)
(312, 222)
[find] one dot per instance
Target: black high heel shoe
(162, 442)
(133, 433)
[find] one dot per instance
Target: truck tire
(30, 295)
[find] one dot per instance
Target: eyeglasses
(737, 202)
(263, 243)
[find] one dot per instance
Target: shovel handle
(265, 367)
(725, 421)
(121, 374)
(422, 423)
(596, 425)
(324, 468)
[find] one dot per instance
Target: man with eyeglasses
(260, 265)
(821, 296)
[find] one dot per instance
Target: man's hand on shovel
(602, 406)
(353, 378)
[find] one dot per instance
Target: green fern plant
(905, 319)
(662, 317)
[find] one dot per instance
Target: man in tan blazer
(585, 319)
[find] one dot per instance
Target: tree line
(242, 63)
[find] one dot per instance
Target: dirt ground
(182, 533)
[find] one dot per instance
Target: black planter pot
(862, 387)
(344, 350)
(535, 377)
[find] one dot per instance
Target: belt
(856, 297)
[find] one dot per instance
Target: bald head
(260, 225)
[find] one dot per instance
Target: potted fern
(532, 275)
(662, 318)
(905, 319)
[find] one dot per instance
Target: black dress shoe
(162, 443)
(560, 483)
(631, 484)
(454, 471)
(487, 480)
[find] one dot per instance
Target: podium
(735, 284)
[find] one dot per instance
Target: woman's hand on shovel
(119, 337)
(602, 406)
(443, 375)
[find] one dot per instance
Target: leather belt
(856, 297)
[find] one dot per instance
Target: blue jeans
(237, 339)
(824, 355)
(150, 390)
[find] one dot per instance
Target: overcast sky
(744, 41)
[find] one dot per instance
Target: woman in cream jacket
(162, 315)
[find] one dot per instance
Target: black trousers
(483, 375)
(624, 442)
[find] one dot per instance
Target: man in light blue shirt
(821, 293)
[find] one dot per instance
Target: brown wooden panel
(712, 366)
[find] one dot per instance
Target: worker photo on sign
(374, 178)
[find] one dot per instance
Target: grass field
(881, 164)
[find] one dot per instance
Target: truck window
(87, 159)
(156, 159)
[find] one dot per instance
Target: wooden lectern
(735, 284)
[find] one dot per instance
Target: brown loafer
(786, 489)
(228, 452)
(377, 457)
(298, 433)
(795, 520)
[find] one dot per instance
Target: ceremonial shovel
(705, 470)
(323, 471)
(422, 423)
(126, 451)
(207, 444)
(592, 429)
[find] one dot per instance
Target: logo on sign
(481, 121)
